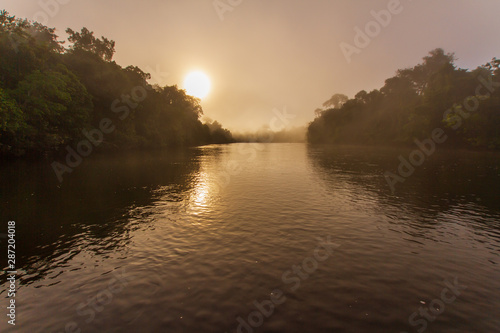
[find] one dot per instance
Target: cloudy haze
(263, 55)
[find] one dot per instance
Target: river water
(255, 238)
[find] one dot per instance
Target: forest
(434, 94)
(53, 95)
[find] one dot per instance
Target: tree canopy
(51, 94)
(414, 102)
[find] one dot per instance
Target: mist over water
(189, 240)
(249, 166)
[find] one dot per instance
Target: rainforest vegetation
(432, 95)
(54, 93)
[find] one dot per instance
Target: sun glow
(197, 84)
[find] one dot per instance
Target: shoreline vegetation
(53, 98)
(56, 99)
(433, 95)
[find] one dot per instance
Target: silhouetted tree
(50, 94)
(412, 104)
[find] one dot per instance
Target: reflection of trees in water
(94, 210)
(445, 183)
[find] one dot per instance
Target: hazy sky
(273, 54)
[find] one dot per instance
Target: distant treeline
(416, 101)
(52, 96)
(265, 135)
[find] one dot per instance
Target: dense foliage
(433, 94)
(50, 95)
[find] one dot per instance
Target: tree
(56, 107)
(85, 40)
(336, 101)
(12, 124)
(420, 75)
(49, 95)
(411, 105)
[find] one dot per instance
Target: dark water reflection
(195, 237)
(91, 204)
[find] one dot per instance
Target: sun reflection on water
(202, 195)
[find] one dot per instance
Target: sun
(197, 84)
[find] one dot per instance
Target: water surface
(187, 241)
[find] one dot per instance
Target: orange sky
(274, 54)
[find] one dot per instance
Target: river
(255, 238)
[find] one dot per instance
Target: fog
(262, 55)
